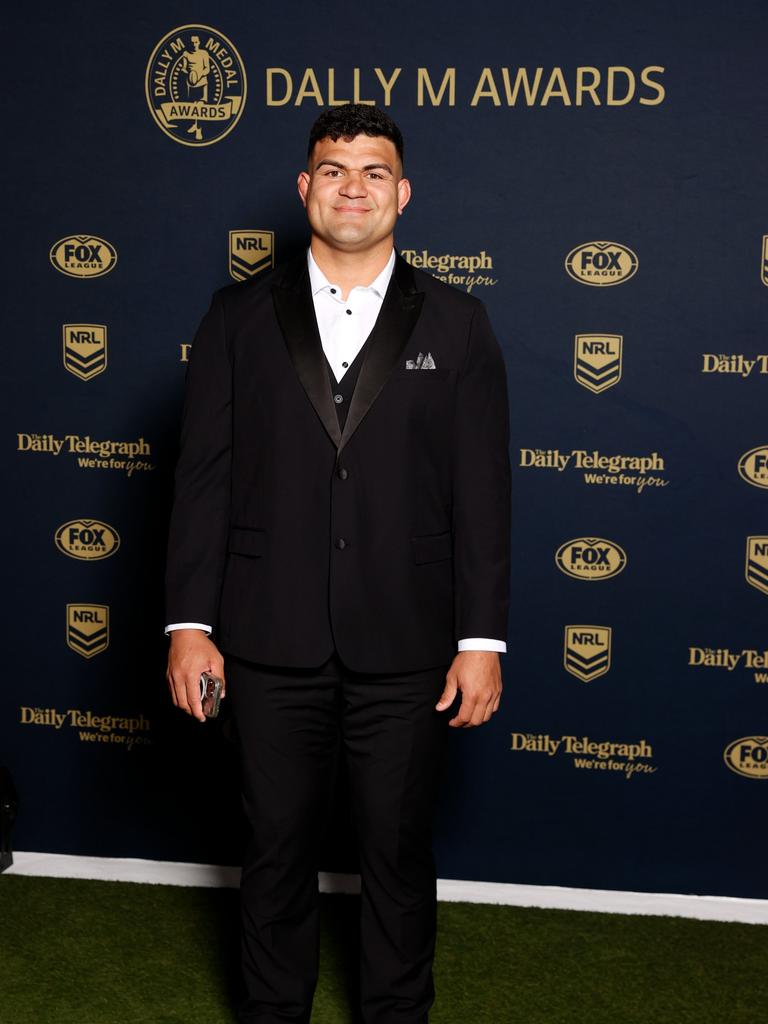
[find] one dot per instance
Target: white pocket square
(421, 362)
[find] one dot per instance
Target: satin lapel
(296, 316)
(397, 318)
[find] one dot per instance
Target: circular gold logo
(83, 256)
(195, 85)
(601, 263)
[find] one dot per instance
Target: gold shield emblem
(88, 628)
(764, 262)
(85, 349)
(250, 252)
(757, 563)
(597, 361)
(587, 651)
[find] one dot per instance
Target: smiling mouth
(352, 209)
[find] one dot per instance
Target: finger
(448, 694)
(465, 711)
(194, 701)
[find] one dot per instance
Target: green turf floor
(82, 952)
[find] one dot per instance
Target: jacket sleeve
(199, 522)
(481, 487)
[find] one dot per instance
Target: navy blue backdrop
(617, 193)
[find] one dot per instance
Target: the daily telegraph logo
(756, 570)
(462, 271)
(195, 85)
(83, 256)
(597, 361)
(87, 539)
(85, 349)
(587, 652)
(637, 471)
(88, 628)
(92, 727)
(735, 364)
(594, 755)
(250, 252)
(590, 558)
(748, 756)
(601, 263)
(753, 466)
(751, 659)
(90, 452)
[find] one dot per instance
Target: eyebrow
(368, 167)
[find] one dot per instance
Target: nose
(353, 186)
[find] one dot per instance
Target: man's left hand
(478, 675)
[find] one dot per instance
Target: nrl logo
(85, 349)
(597, 361)
(250, 252)
(88, 628)
(587, 651)
(757, 563)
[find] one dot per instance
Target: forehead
(363, 149)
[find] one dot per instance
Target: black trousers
(292, 725)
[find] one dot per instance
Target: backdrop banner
(595, 175)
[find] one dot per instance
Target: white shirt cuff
(481, 643)
(188, 625)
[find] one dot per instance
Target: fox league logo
(250, 252)
(195, 85)
(601, 263)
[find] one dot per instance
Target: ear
(403, 194)
(302, 184)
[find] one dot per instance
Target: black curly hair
(354, 119)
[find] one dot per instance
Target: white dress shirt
(344, 325)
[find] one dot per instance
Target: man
(341, 527)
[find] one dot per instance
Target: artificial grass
(90, 952)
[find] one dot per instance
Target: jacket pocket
(245, 540)
(432, 547)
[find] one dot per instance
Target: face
(353, 191)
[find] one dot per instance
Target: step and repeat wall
(596, 177)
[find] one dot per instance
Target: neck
(350, 269)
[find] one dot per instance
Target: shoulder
(452, 299)
(241, 297)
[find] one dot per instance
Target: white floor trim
(610, 901)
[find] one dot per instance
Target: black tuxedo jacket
(388, 540)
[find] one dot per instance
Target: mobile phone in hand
(210, 694)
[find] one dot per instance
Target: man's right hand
(191, 653)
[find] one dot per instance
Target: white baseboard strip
(607, 901)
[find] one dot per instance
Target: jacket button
(341, 543)
(338, 399)
(343, 473)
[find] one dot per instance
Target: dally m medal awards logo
(597, 361)
(85, 349)
(195, 85)
(601, 263)
(83, 256)
(757, 563)
(88, 628)
(250, 252)
(587, 651)
(764, 262)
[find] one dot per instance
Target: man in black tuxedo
(340, 526)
